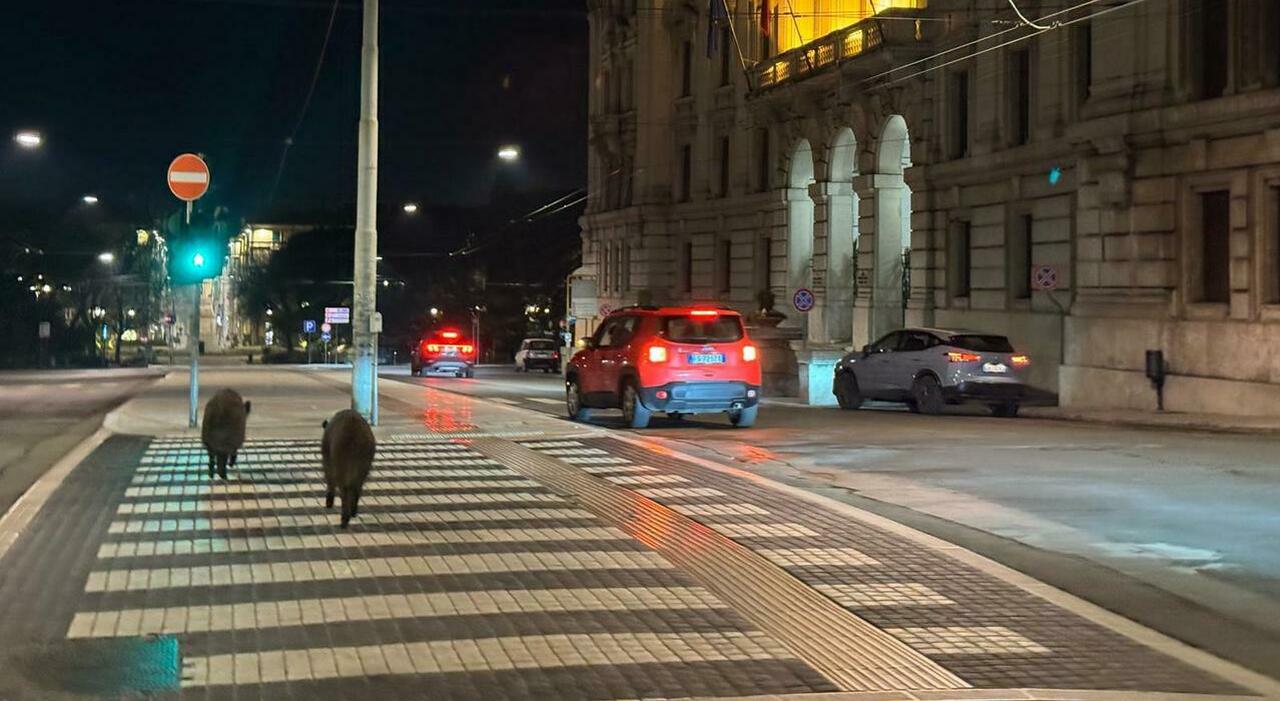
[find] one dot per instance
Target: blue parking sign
(309, 326)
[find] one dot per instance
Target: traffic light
(195, 259)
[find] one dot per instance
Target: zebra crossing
(457, 567)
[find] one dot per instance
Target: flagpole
(733, 32)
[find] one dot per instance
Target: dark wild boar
(347, 452)
(223, 429)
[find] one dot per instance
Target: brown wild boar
(222, 430)
(347, 453)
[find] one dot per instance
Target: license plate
(706, 358)
(996, 368)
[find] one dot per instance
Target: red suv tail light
(749, 353)
(433, 348)
(657, 354)
(955, 357)
(466, 350)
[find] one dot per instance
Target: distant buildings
(221, 317)
(1130, 153)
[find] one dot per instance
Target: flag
(716, 15)
(764, 18)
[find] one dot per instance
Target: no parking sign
(803, 300)
(1044, 278)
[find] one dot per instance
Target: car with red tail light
(927, 369)
(670, 360)
(444, 351)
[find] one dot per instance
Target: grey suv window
(888, 343)
(916, 341)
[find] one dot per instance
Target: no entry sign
(188, 177)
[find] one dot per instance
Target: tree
(311, 271)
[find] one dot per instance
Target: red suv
(676, 360)
(446, 351)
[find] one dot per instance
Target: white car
(538, 353)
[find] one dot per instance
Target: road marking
(544, 400)
(351, 539)
(818, 557)
(886, 594)
(539, 445)
(960, 640)
(174, 620)
(504, 400)
(316, 482)
(171, 525)
(215, 506)
(313, 476)
(479, 655)
(763, 530)
(672, 492)
(330, 570)
(719, 509)
(595, 461)
(610, 469)
(625, 480)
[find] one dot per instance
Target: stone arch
(800, 211)
(842, 236)
(892, 226)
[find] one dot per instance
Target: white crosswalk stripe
(296, 612)
(234, 476)
(407, 566)
(371, 498)
(352, 539)
(169, 525)
(315, 484)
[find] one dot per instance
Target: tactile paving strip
(846, 649)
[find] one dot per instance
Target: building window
(1082, 56)
(686, 268)
(686, 172)
(1215, 247)
(1020, 246)
(958, 116)
(1271, 251)
(764, 162)
(763, 263)
(960, 259)
(726, 49)
(604, 267)
(624, 279)
(1020, 97)
(1213, 46)
(724, 281)
(686, 68)
(724, 166)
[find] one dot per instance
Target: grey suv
(930, 368)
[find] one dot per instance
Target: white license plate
(996, 368)
(706, 358)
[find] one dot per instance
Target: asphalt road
(43, 415)
(1178, 529)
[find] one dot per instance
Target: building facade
(223, 320)
(1098, 183)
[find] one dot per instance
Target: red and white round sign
(188, 177)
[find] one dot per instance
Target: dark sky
(119, 87)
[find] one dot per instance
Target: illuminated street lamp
(90, 199)
(435, 311)
(107, 257)
(509, 153)
(410, 208)
(28, 139)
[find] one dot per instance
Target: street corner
(986, 632)
(143, 576)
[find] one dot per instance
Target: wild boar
(222, 430)
(346, 450)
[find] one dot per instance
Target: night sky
(119, 87)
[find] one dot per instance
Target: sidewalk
(503, 554)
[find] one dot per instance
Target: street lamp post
(364, 371)
(28, 139)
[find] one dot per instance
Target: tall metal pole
(364, 366)
(193, 386)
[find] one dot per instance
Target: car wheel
(744, 418)
(634, 412)
(1007, 410)
(848, 394)
(573, 401)
(926, 392)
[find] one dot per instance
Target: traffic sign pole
(188, 179)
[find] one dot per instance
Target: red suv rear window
(692, 329)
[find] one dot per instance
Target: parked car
(931, 368)
(446, 351)
(674, 360)
(536, 353)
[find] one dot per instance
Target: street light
(28, 139)
(107, 257)
(90, 199)
(509, 153)
(410, 208)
